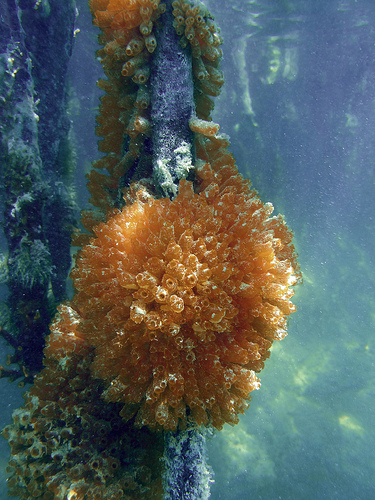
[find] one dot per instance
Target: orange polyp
(169, 282)
(177, 304)
(161, 295)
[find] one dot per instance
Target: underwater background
(299, 106)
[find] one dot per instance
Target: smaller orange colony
(182, 299)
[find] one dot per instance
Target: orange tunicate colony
(128, 42)
(196, 26)
(182, 299)
(67, 443)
